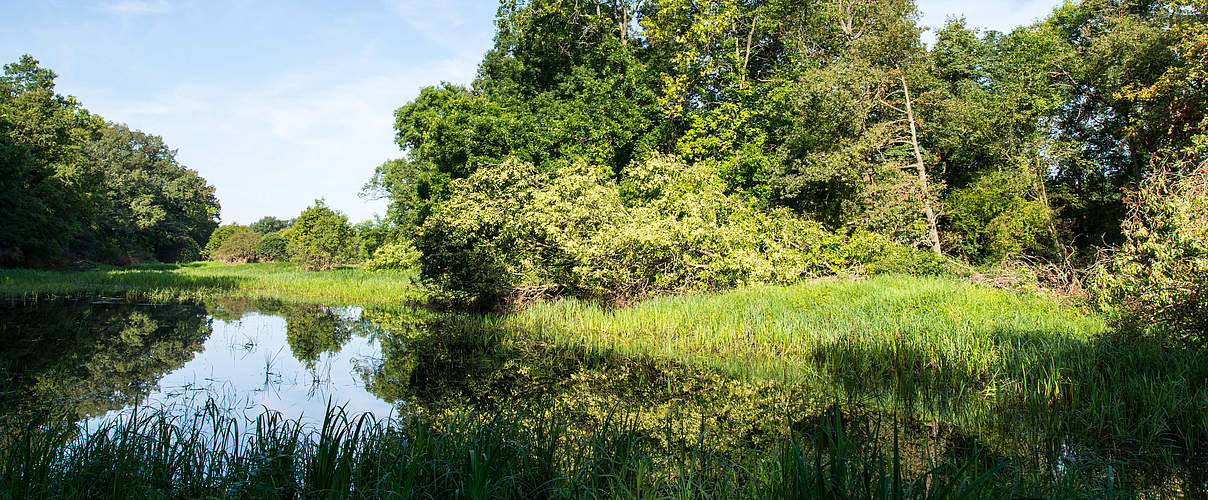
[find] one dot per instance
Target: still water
(100, 357)
(95, 359)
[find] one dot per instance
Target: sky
(279, 103)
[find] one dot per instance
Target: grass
(993, 362)
(157, 453)
(199, 280)
(1027, 376)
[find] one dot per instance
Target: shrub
(894, 258)
(1157, 281)
(991, 220)
(218, 237)
(273, 247)
(397, 256)
(371, 235)
(239, 247)
(511, 230)
(321, 238)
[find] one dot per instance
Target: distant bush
(397, 256)
(894, 258)
(273, 247)
(269, 224)
(321, 238)
(372, 234)
(1157, 281)
(513, 231)
(218, 237)
(239, 247)
(992, 220)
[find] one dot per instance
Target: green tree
(321, 238)
(219, 236)
(44, 207)
(273, 247)
(269, 224)
(240, 248)
(148, 203)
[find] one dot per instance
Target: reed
(158, 453)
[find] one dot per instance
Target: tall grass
(161, 454)
(988, 360)
(201, 280)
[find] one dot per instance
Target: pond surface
(97, 358)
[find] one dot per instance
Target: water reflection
(92, 358)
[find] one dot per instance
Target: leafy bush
(218, 237)
(992, 220)
(1157, 281)
(372, 234)
(321, 238)
(894, 258)
(189, 251)
(273, 247)
(397, 256)
(269, 224)
(511, 230)
(239, 247)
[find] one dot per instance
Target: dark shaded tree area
(986, 146)
(75, 187)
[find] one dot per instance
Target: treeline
(320, 238)
(74, 187)
(779, 115)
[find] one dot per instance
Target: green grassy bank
(206, 279)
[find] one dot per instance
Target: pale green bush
(514, 231)
(393, 256)
(239, 247)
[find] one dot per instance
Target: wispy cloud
(135, 7)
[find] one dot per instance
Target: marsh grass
(201, 280)
(156, 453)
(987, 360)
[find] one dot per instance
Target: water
(98, 358)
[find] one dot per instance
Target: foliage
(219, 236)
(239, 248)
(269, 224)
(512, 229)
(1157, 282)
(993, 220)
(321, 238)
(393, 256)
(75, 187)
(148, 202)
(372, 235)
(273, 247)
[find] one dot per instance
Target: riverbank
(200, 280)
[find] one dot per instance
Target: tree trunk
(933, 230)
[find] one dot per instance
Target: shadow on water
(1104, 409)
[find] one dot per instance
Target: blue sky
(278, 103)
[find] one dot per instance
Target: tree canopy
(75, 187)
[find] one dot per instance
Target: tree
(239, 248)
(269, 224)
(148, 203)
(321, 238)
(44, 210)
(273, 247)
(78, 188)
